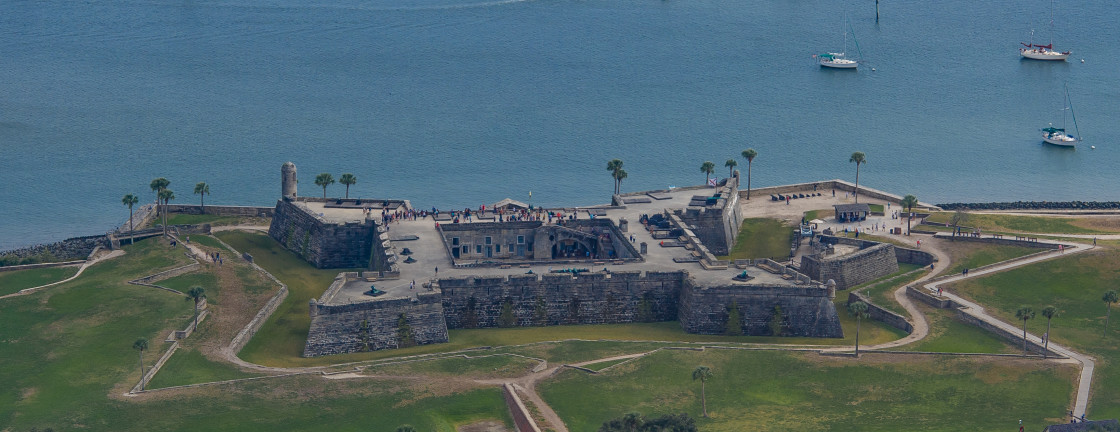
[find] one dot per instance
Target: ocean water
(455, 103)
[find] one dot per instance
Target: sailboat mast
(858, 51)
(1073, 114)
(1051, 24)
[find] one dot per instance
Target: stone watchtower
(288, 180)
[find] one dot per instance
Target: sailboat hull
(839, 64)
(1061, 140)
(1043, 54)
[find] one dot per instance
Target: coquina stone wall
(865, 265)
(552, 299)
(222, 210)
(375, 325)
(322, 243)
(791, 311)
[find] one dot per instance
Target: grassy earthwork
(1033, 224)
(67, 356)
(13, 281)
(1075, 285)
(781, 391)
(189, 219)
(762, 238)
(950, 335)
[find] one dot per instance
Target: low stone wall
(222, 210)
(150, 279)
(522, 420)
(914, 256)
(928, 298)
(375, 325)
(1014, 338)
(1035, 205)
(38, 266)
(258, 320)
(877, 313)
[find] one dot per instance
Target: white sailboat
(839, 60)
(1034, 51)
(1058, 136)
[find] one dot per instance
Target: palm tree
(749, 155)
(1024, 313)
(324, 180)
(159, 185)
(859, 158)
(707, 168)
(614, 166)
(129, 200)
(703, 373)
(1049, 312)
(1110, 297)
(730, 164)
(201, 189)
(141, 345)
(196, 293)
(166, 195)
(909, 201)
(859, 310)
(618, 176)
(347, 179)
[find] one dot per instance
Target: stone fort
(411, 275)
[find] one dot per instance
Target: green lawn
(189, 219)
(1022, 224)
(188, 366)
(13, 281)
(762, 238)
(208, 241)
(783, 391)
(185, 282)
(876, 208)
(972, 255)
(66, 353)
(477, 366)
(949, 335)
(1074, 284)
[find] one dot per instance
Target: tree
(959, 217)
(749, 155)
(406, 428)
(1049, 312)
(158, 186)
(507, 318)
(166, 195)
(404, 332)
(196, 293)
(141, 345)
(635, 422)
(707, 168)
(618, 176)
(347, 179)
(730, 164)
(703, 373)
(614, 166)
(1110, 297)
(1024, 313)
(324, 180)
(734, 325)
(129, 200)
(859, 310)
(909, 201)
(201, 189)
(859, 158)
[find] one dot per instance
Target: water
(454, 103)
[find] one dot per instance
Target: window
(454, 241)
(478, 248)
(489, 240)
(466, 249)
(509, 248)
(498, 249)
(520, 239)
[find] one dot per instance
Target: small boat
(1058, 136)
(838, 60)
(1035, 51)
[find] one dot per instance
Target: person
(188, 239)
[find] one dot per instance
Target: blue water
(455, 103)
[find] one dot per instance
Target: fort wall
(375, 325)
(764, 310)
(872, 262)
(322, 243)
(716, 224)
